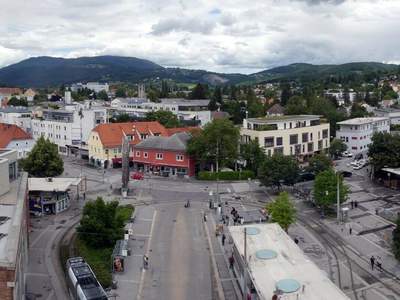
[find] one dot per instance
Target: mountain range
(48, 71)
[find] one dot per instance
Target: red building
(164, 156)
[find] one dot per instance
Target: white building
(301, 135)
(391, 113)
(185, 110)
(20, 116)
(65, 127)
(94, 86)
(273, 264)
(339, 95)
(357, 133)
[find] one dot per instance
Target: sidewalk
(221, 253)
(128, 282)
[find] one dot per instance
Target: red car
(137, 176)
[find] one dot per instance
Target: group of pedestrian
(376, 261)
(237, 219)
(353, 204)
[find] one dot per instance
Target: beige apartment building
(299, 135)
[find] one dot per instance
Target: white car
(347, 154)
(354, 163)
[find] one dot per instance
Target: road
(180, 263)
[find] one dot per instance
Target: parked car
(347, 154)
(306, 176)
(137, 176)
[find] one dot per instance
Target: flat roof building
(299, 135)
(13, 227)
(277, 266)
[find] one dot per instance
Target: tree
(396, 240)
(120, 92)
(199, 92)
(14, 101)
(358, 111)
(216, 99)
(296, 106)
(122, 118)
(282, 211)
(279, 169)
(337, 147)
(216, 143)
(384, 150)
(164, 89)
(100, 225)
(285, 93)
(319, 163)
(44, 160)
(164, 117)
(253, 154)
(102, 95)
(325, 189)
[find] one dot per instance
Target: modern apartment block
(357, 133)
(186, 110)
(13, 227)
(20, 116)
(299, 135)
(68, 128)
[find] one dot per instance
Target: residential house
(6, 93)
(356, 133)
(166, 156)
(276, 110)
(105, 140)
(14, 138)
(391, 113)
(14, 222)
(298, 135)
(29, 95)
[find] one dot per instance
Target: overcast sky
(225, 36)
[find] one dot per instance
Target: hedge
(232, 175)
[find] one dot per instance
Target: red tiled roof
(9, 132)
(111, 133)
(10, 91)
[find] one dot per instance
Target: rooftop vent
(49, 179)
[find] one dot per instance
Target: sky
(217, 35)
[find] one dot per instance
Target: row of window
(159, 156)
(367, 126)
(57, 127)
(49, 135)
(148, 107)
(293, 139)
(299, 149)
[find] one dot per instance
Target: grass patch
(125, 211)
(99, 260)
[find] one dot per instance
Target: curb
(220, 290)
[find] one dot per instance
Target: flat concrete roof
(11, 215)
(274, 119)
(56, 184)
(395, 171)
(361, 121)
(290, 263)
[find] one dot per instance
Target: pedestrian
(296, 241)
(350, 230)
(223, 239)
(231, 261)
(372, 260)
(379, 263)
(204, 217)
(84, 196)
(355, 204)
(145, 261)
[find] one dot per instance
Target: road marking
(129, 281)
(139, 295)
(141, 235)
(37, 274)
(144, 220)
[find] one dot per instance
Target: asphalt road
(179, 258)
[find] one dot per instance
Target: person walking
(379, 263)
(372, 260)
(223, 239)
(231, 261)
(350, 230)
(145, 261)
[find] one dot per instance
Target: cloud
(204, 34)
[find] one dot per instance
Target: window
(354, 148)
(179, 157)
(115, 150)
(159, 156)
(297, 149)
(347, 139)
(305, 137)
(310, 136)
(304, 148)
(290, 125)
(269, 141)
(145, 155)
(325, 133)
(320, 145)
(278, 150)
(279, 141)
(353, 137)
(293, 138)
(137, 154)
(310, 147)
